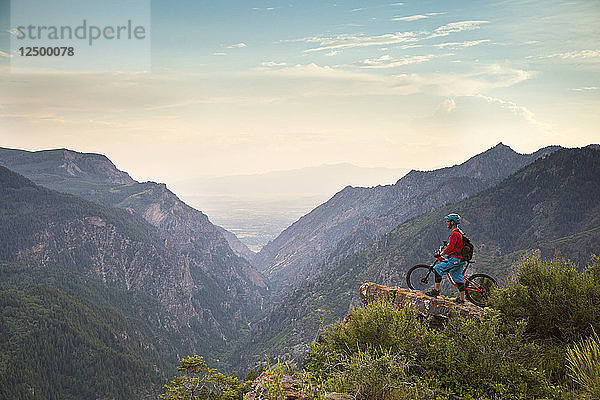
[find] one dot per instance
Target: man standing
(453, 264)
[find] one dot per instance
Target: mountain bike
(478, 286)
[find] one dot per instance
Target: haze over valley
(258, 207)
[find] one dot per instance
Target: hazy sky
(250, 86)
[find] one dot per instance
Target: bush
(199, 382)
(556, 301)
(584, 365)
(378, 327)
(478, 358)
(384, 352)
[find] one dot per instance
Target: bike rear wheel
(479, 288)
(420, 277)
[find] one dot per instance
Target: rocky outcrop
(432, 308)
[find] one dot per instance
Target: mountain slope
(356, 217)
(554, 203)
(188, 231)
(57, 343)
(41, 227)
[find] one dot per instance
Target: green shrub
(379, 326)
(584, 365)
(478, 358)
(384, 352)
(199, 382)
(557, 301)
(376, 375)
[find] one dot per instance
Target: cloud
(340, 42)
(455, 27)
(417, 17)
(409, 46)
(486, 77)
(582, 54)
(341, 80)
(448, 106)
(313, 70)
(14, 32)
(387, 61)
(586, 88)
(219, 54)
(374, 7)
(271, 64)
(333, 53)
(347, 41)
(237, 46)
(521, 111)
(461, 44)
(3, 54)
(308, 80)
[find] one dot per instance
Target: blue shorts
(453, 266)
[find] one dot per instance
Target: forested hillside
(68, 336)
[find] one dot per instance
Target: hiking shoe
(458, 301)
(433, 293)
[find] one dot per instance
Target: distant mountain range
(356, 217)
(551, 207)
(325, 179)
(259, 207)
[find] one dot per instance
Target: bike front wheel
(479, 288)
(420, 277)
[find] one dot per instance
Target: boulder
(433, 308)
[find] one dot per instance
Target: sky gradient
(252, 86)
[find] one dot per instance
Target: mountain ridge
(83, 174)
(186, 230)
(299, 251)
(42, 227)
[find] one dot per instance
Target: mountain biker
(453, 264)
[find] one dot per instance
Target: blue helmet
(453, 218)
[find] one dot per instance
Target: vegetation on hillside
(55, 345)
(537, 341)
